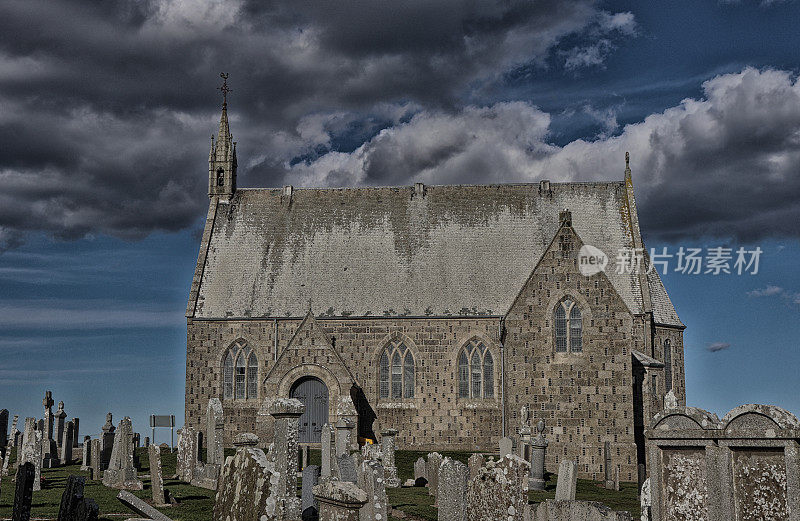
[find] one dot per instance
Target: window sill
(398, 405)
(479, 404)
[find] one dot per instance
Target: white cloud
(769, 291)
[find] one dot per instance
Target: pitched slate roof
(396, 251)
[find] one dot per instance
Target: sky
(107, 108)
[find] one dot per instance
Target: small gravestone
(248, 488)
(567, 480)
(309, 506)
(339, 500)
(142, 508)
(500, 491)
(432, 472)
(156, 478)
(107, 442)
(26, 473)
(347, 468)
(66, 443)
(420, 472)
(506, 446)
(474, 463)
(373, 482)
(453, 479)
(121, 474)
(71, 497)
(85, 458)
(95, 458)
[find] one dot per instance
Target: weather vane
(225, 89)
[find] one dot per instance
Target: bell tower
(222, 157)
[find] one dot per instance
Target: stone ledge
(398, 405)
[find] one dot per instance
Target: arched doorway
(314, 394)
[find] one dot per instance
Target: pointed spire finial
(225, 89)
(627, 159)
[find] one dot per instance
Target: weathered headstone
(347, 468)
(567, 480)
(76, 422)
(107, 442)
(26, 474)
(343, 432)
(142, 508)
(248, 488)
(500, 491)
(85, 458)
(121, 474)
(32, 450)
(6, 462)
(215, 428)
(14, 431)
(453, 479)
(287, 412)
(67, 443)
(645, 501)
(388, 446)
(60, 416)
(187, 451)
(3, 430)
(309, 506)
(156, 477)
(326, 453)
(506, 446)
(576, 510)
(432, 471)
(608, 483)
(95, 458)
(538, 449)
(71, 497)
(374, 484)
(474, 463)
(339, 500)
(420, 472)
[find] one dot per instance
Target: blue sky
(105, 123)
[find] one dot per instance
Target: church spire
(222, 158)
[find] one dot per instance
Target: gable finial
(224, 88)
(627, 159)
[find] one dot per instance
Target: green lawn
(196, 504)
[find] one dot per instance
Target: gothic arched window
(668, 365)
(220, 177)
(396, 372)
(475, 371)
(240, 373)
(569, 327)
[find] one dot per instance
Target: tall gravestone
(156, 478)
(326, 455)
(432, 471)
(85, 459)
(388, 447)
(49, 448)
(121, 474)
(14, 431)
(373, 482)
(248, 487)
(6, 462)
(287, 412)
(26, 474)
(309, 505)
(538, 449)
(453, 479)
(107, 442)
(60, 416)
(75, 439)
(567, 480)
(95, 458)
(187, 454)
(215, 429)
(67, 443)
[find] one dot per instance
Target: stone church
(437, 310)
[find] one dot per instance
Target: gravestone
(14, 431)
(645, 502)
(32, 451)
(506, 446)
(538, 449)
(95, 458)
(156, 478)
(309, 506)
(72, 495)
(347, 468)
(121, 474)
(49, 447)
(567, 480)
(67, 443)
(474, 463)
(388, 446)
(23, 494)
(616, 479)
(142, 508)
(343, 431)
(500, 491)
(60, 425)
(75, 438)
(339, 500)
(248, 488)
(432, 472)
(215, 427)
(85, 457)
(287, 412)
(373, 482)
(326, 456)
(6, 461)
(453, 479)
(3, 430)
(420, 472)
(576, 510)
(609, 478)
(187, 452)
(107, 442)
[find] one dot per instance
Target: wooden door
(314, 395)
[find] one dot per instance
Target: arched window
(220, 177)
(240, 373)
(569, 327)
(668, 365)
(475, 371)
(396, 373)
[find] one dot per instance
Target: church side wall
(585, 398)
(675, 337)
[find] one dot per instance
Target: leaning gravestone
(432, 472)
(142, 508)
(156, 478)
(567, 480)
(500, 491)
(23, 494)
(121, 473)
(248, 488)
(309, 506)
(420, 472)
(453, 478)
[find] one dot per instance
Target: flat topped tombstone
(339, 500)
(453, 479)
(248, 488)
(95, 458)
(23, 494)
(86, 456)
(567, 480)
(432, 472)
(187, 452)
(75, 438)
(67, 443)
